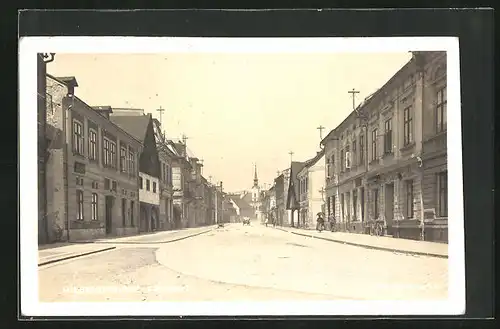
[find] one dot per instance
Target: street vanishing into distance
(237, 263)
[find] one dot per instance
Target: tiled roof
(295, 168)
(312, 161)
(134, 125)
(241, 203)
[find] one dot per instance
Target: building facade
(183, 194)
(386, 163)
(100, 184)
(142, 128)
(311, 180)
(166, 155)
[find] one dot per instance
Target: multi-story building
(166, 153)
(182, 187)
(311, 180)
(142, 128)
(293, 195)
(100, 184)
(387, 160)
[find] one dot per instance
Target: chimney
(105, 111)
(70, 82)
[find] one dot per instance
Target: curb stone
(147, 242)
(75, 256)
(406, 252)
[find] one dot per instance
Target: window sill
(407, 147)
(436, 136)
(387, 155)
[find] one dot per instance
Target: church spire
(255, 179)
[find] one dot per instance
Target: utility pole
(353, 93)
(320, 128)
(291, 155)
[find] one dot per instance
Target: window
(92, 145)
(347, 158)
(106, 183)
(375, 204)
(342, 161)
(141, 186)
(408, 126)
(123, 159)
(107, 158)
(131, 162)
(154, 187)
(132, 213)
(442, 185)
(388, 137)
(342, 204)
(362, 201)
(409, 199)
(333, 205)
(79, 205)
(95, 203)
(353, 156)
(355, 204)
(361, 149)
(441, 110)
(374, 145)
(124, 212)
(114, 186)
(77, 137)
(147, 184)
(113, 155)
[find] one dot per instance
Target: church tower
(256, 194)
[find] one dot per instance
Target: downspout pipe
(44, 60)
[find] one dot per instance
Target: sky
(236, 109)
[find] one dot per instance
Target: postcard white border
(29, 46)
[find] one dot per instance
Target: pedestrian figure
(332, 223)
(267, 220)
(321, 222)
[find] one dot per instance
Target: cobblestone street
(243, 263)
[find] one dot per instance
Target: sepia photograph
(232, 176)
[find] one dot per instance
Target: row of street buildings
(386, 163)
(105, 171)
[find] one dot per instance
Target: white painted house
(311, 180)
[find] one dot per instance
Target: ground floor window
(375, 204)
(442, 186)
(95, 206)
(409, 198)
(355, 204)
(362, 203)
(79, 204)
(342, 206)
(131, 213)
(124, 212)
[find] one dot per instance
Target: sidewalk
(59, 253)
(155, 237)
(412, 247)
(52, 253)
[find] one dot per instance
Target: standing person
(321, 222)
(267, 220)
(332, 223)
